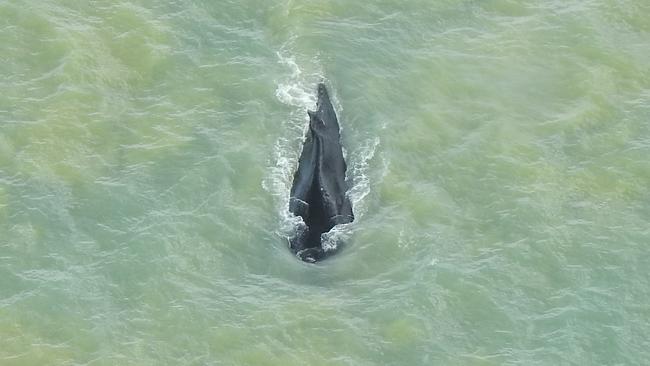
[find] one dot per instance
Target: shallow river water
(498, 156)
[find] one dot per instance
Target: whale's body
(318, 193)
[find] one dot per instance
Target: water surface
(498, 159)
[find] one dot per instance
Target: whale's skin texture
(319, 190)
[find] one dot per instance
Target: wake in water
(297, 90)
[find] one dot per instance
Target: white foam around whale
(298, 90)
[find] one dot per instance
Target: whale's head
(322, 92)
(323, 119)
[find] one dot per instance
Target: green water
(498, 158)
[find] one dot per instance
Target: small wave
(358, 170)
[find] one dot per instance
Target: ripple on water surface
(497, 157)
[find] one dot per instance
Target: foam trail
(295, 91)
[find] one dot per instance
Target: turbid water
(497, 154)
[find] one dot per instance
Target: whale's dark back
(318, 194)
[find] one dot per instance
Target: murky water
(498, 159)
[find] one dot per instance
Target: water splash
(294, 90)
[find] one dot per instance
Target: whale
(319, 190)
